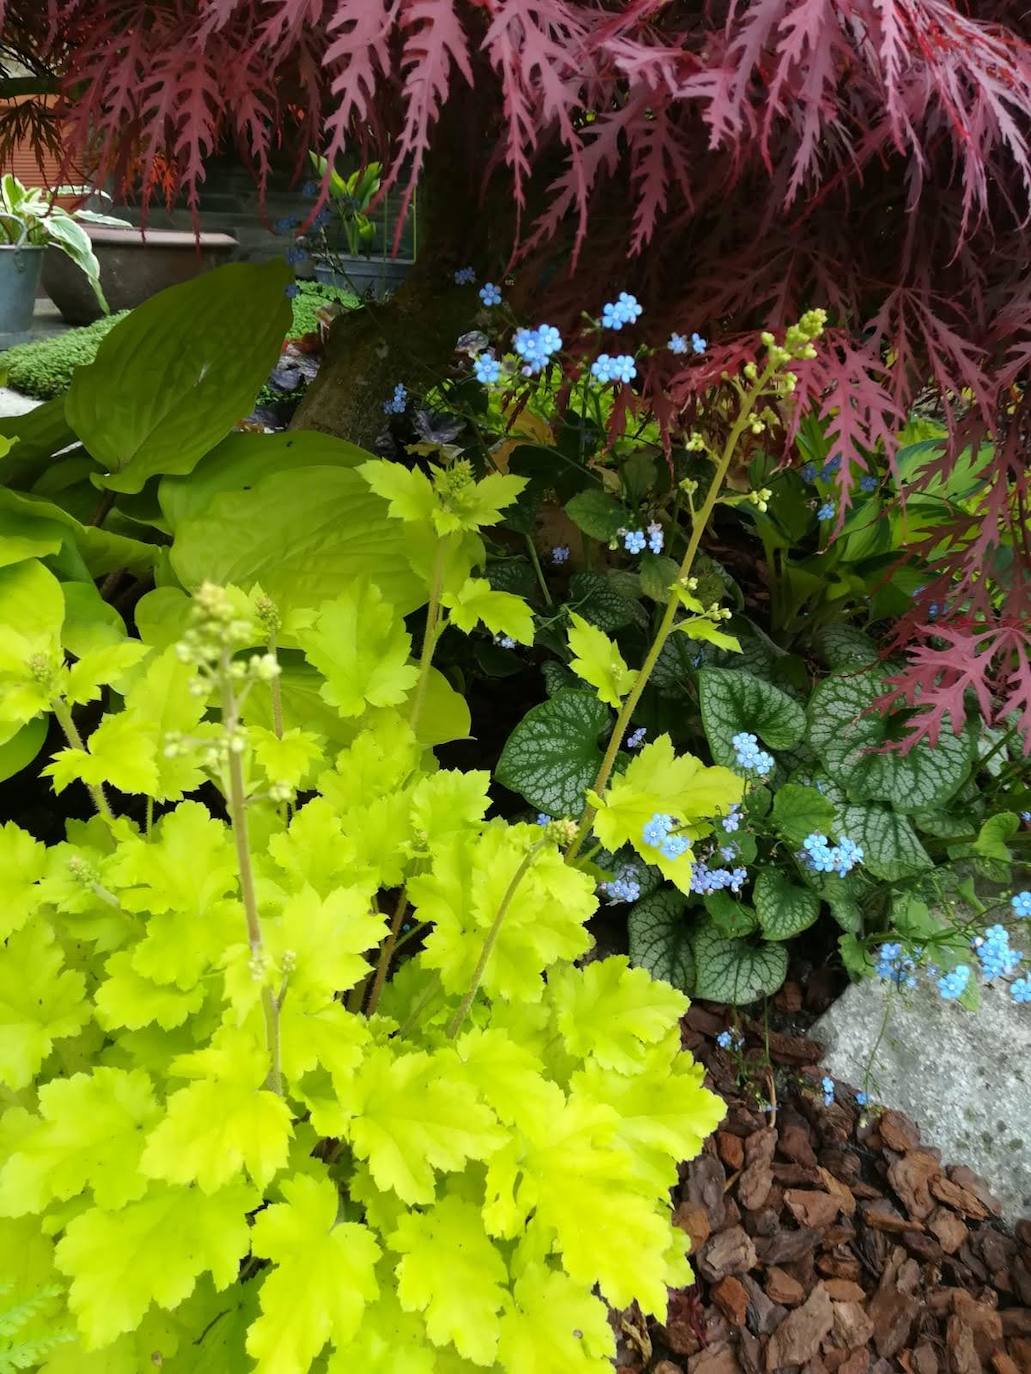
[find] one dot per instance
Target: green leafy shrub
(43, 368)
(235, 1141)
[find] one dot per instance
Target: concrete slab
(964, 1077)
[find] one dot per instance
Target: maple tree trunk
(409, 338)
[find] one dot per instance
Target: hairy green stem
(386, 952)
(455, 1024)
(276, 692)
(63, 713)
(432, 633)
(538, 570)
(236, 801)
(700, 522)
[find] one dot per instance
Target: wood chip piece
(730, 1297)
(947, 1229)
(851, 1327)
(728, 1252)
(960, 1199)
(693, 1218)
(799, 1335)
(960, 1350)
(812, 1208)
(911, 1176)
(783, 1288)
(898, 1132)
(893, 1314)
(722, 1361)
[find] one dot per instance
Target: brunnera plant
(242, 1134)
(745, 159)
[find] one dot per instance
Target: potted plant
(345, 224)
(30, 222)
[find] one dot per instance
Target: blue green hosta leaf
(732, 701)
(800, 811)
(735, 971)
(784, 910)
(659, 938)
(173, 377)
(552, 755)
(847, 733)
(890, 846)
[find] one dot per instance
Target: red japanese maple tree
(732, 162)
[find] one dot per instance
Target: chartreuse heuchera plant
(239, 1133)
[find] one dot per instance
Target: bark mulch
(829, 1239)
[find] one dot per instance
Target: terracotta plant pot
(133, 267)
(19, 277)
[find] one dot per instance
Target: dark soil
(828, 1239)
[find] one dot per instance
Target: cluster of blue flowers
(827, 1084)
(1020, 989)
(953, 985)
(295, 255)
(1021, 901)
(732, 820)
(634, 541)
(826, 511)
(750, 758)
(655, 537)
(867, 482)
(623, 888)
(291, 290)
(536, 346)
(465, 276)
(730, 1040)
(396, 404)
(618, 368)
(657, 833)
(821, 857)
(560, 555)
(994, 952)
(679, 344)
(505, 641)
(624, 310)
(636, 737)
(705, 879)
(895, 966)
(486, 368)
(861, 1099)
(490, 293)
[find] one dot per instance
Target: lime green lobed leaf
(598, 661)
(153, 1250)
(323, 1279)
(41, 1001)
(451, 1271)
(360, 647)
